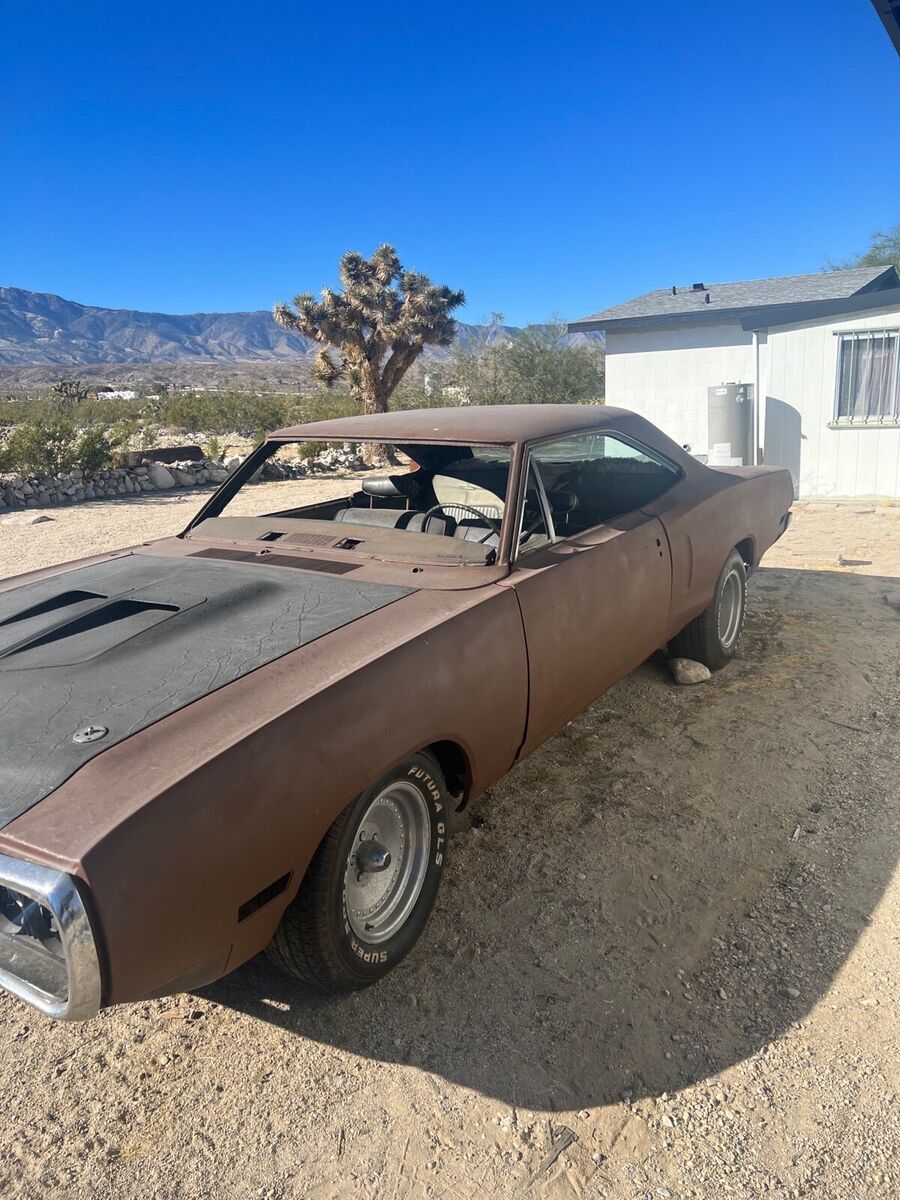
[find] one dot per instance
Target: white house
(822, 351)
(111, 393)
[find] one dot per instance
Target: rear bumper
(48, 956)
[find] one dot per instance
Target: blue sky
(547, 158)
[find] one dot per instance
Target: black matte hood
(118, 645)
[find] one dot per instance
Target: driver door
(594, 593)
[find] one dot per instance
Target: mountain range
(38, 328)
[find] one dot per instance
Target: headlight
(30, 943)
(47, 951)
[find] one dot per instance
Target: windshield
(431, 502)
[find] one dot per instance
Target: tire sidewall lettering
(431, 785)
(376, 958)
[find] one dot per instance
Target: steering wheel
(494, 524)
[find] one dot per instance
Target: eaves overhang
(889, 11)
(749, 318)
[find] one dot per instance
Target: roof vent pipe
(706, 298)
(674, 290)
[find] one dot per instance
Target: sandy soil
(663, 963)
(94, 527)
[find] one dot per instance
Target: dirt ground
(663, 963)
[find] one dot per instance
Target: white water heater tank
(729, 416)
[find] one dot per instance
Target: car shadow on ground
(663, 889)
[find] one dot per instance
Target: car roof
(503, 424)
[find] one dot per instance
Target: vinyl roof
(709, 302)
(498, 423)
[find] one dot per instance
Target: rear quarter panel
(707, 514)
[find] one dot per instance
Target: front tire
(371, 885)
(712, 637)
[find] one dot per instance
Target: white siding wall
(664, 376)
(800, 364)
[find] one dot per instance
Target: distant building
(800, 372)
(109, 393)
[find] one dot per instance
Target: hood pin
(90, 733)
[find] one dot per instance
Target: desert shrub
(44, 433)
(537, 366)
(118, 437)
(214, 450)
(105, 412)
(309, 449)
(148, 437)
(12, 411)
(94, 449)
(54, 446)
(227, 412)
(324, 406)
(44, 446)
(82, 414)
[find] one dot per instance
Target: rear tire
(712, 638)
(356, 916)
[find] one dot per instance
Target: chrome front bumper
(48, 956)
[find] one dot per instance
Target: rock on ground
(26, 518)
(686, 671)
(161, 477)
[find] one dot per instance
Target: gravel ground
(663, 963)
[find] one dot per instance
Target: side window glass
(533, 531)
(590, 478)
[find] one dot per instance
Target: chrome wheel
(388, 863)
(731, 608)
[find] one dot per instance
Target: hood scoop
(76, 626)
(71, 601)
(124, 643)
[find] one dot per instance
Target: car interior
(446, 491)
(591, 478)
(460, 493)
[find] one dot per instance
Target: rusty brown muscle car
(264, 720)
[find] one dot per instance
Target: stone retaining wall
(44, 491)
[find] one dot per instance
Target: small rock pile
(334, 460)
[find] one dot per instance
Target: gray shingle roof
(889, 11)
(751, 293)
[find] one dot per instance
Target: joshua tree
(379, 324)
(70, 390)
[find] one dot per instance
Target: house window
(868, 389)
